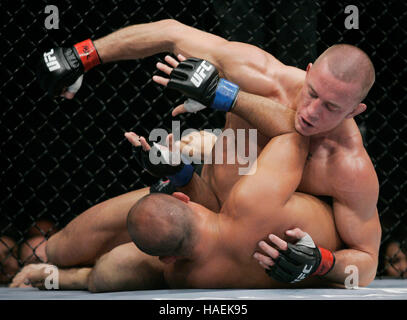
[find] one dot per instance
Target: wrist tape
(225, 96)
(88, 54)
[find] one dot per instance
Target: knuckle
(268, 261)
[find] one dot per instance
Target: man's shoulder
(354, 172)
(259, 72)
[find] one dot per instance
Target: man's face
(396, 264)
(324, 101)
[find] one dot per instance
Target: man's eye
(312, 95)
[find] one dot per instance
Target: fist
(197, 79)
(58, 69)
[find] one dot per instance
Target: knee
(99, 279)
(110, 272)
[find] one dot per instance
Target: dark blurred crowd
(15, 255)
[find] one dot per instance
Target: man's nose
(314, 110)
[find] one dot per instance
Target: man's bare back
(230, 262)
(219, 252)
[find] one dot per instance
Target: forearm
(136, 41)
(74, 279)
(144, 40)
(268, 116)
(353, 264)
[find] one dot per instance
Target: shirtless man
(204, 249)
(322, 102)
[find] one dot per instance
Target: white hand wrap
(193, 106)
(306, 241)
(76, 85)
(170, 157)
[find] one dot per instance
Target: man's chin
(301, 131)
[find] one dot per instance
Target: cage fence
(59, 157)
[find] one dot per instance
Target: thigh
(127, 268)
(109, 215)
(94, 232)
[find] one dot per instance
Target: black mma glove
(300, 261)
(179, 173)
(62, 67)
(199, 80)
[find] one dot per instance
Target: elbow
(369, 273)
(366, 280)
(173, 29)
(169, 24)
(368, 277)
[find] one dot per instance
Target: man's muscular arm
(362, 240)
(36, 275)
(248, 66)
(282, 162)
(251, 68)
(268, 116)
(357, 222)
(144, 40)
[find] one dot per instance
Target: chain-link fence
(59, 157)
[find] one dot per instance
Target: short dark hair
(161, 225)
(349, 63)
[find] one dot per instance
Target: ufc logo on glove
(51, 61)
(200, 74)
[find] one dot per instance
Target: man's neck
(340, 134)
(206, 231)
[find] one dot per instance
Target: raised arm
(276, 175)
(251, 68)
(268, 116)
(240, 62)
(144, 40)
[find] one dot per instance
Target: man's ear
(181, 196)
(358, 110)
(309, 66)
